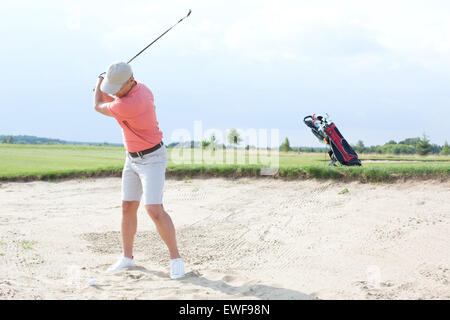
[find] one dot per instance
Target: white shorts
(145, 175)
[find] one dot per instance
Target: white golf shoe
(122, 263)
(176, 268)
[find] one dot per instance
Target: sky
(380, 69)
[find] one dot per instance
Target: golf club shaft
(160, 36)
(155, 39)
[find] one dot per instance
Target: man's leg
(165, 227)
(129, 226)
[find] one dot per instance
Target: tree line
(420, 146)
(20, 139)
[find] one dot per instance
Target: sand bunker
(240, 239)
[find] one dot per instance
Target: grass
(26, 244)
(2, 243)
(50, 162)
(187, 179)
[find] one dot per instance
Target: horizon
(319, 145)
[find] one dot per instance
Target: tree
(233, 137)
(285, 146)
(4, 140)
(391, 142)
(205, 144)
(10, 140)
(410, 141)
(445, 150)
(423, 147)
(435, 149)
(397, 149)
(213, 142)
(359, 147)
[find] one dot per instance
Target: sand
(240, 239)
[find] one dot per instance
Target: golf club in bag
(103, 73)
(338, 148)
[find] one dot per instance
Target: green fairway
(20, 161)
(41, 161)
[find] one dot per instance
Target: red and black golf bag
(326, 131)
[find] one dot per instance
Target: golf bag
(338, 148)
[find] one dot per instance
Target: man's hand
(100, 101)
(99, 82)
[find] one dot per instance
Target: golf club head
(189, 13)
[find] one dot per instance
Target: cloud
(398, 32)
(417, 31)
(298, 30)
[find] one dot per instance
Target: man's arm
(101, 100)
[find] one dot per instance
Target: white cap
(117, 74)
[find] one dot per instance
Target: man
(146, 159)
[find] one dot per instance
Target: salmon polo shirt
(136, 114)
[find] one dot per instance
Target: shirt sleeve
(125, 108)
(117, 109)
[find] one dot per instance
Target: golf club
(160, 36)
(101, 74)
